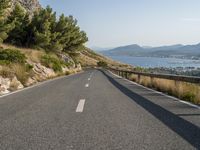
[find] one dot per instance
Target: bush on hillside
(11, 56)
(189, 97)
(52, 62)
(102, 64)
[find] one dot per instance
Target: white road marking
(89, 79)
(80, 106)
(87, 85)
(91, 75)
(174, 98)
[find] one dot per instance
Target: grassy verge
(182, 90)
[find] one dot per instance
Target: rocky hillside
(21, 67)
(30, 5)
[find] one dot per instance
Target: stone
(15, 84)
(4, 85)
(44, 71)
(30, 81)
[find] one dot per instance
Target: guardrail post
(152, 85)
(126, 75)
(138, 78)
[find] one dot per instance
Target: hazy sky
(110, 23)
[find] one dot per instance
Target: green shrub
(102, 64)
(4, 62)
(140, 69)
(189, 97)
(29, 67)
(12, 56)
(52, 62)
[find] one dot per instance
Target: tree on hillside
(20, 19)
(40, 34)
(54, 44)
(102, 64)
(4, 27)
(72, 37)
(43, 31)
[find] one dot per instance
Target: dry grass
(86, 60)
(183, 90)
(6, 72)
(31, 54)
(20, 72)
(89, 57)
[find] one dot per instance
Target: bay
(152, 62)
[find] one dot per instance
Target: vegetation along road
(96, 110)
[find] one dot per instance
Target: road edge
(39, 84)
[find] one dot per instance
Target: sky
(112, 23)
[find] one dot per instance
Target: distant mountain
(126, 50)
(184, 51)
(95, 48)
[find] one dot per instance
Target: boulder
(65, 69)
(4, 85)
(78, 67)
(66, 58)
(15, 84)
(43, 72)
(31, 81)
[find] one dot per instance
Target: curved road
(96, 110)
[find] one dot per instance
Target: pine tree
(45, 32)
(54, 44)
(71, 38)
(76, 37)
(4, 27)
(41, 29)
(20, 19)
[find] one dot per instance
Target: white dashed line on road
(91, 74)
(87, 85)
(80, 106)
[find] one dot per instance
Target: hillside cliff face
(30, 5)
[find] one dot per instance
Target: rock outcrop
(30, 5)
(43, 71)
(7, 85)
(4, 85)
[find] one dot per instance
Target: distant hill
(183, 51)
(96, 48)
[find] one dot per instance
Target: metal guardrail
(125, 73)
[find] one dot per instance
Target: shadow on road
(184, 128)
(188, 114)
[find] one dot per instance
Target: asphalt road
(96, 110)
